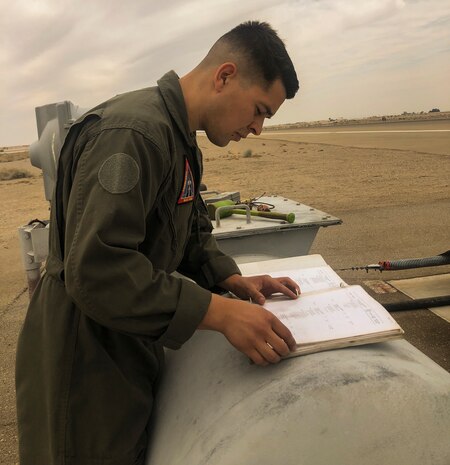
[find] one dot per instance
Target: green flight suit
(126, 213)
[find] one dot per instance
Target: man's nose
(256, 126)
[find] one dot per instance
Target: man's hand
(250, 328)
(257, 288)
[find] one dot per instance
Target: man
(125, 215)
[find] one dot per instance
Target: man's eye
(258, 111)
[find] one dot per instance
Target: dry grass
(14, 173)
(12, 156)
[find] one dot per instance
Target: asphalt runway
(424, 136)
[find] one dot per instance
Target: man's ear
(223, 74)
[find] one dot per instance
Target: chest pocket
(176, 213)
(169, 229)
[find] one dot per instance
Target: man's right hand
(250, 328)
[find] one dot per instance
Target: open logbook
(329, 314)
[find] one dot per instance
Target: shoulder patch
(119, 173)
(188, 190)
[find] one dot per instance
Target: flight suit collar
(172, 94)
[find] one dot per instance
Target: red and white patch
(188, 190)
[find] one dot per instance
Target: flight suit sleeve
(203, 261)
(116, 185)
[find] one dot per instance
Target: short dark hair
(264, 53)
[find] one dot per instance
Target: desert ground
(391, 189)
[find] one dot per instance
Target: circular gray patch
(119, 173)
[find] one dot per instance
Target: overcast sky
(353, 57)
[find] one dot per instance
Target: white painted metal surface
(264, 239)
(383, 403)
(33, 239)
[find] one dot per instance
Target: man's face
(240, 109)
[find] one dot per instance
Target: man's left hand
(257, 288)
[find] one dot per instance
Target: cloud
(360, 61)
(53, 50)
